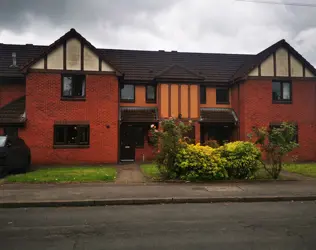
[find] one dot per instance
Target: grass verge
(151, 171)
(303, 169)
(65, 175)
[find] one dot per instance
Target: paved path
(238, 226)
(128, 174)
(19, 193)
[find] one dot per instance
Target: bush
(212, 144)
(242, 159)
(195, 162)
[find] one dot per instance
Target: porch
(218, 124)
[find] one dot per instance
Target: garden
(261, 157)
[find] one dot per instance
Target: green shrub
(195, 162)
(242, 159)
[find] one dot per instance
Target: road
(288, 225)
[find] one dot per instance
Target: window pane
(222, 95)
(72, 133)
(60, 135)
(276, 91)
(84, 135)
(202, 94)
(127, 92)
(151, 93)
(67, 86)
(286, 91)
(78, 85)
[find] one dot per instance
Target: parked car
(15, 155)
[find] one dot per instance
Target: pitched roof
(146, 65)
(138, 65)
(24, 53)
(176, 71)
(218, 115)
(138, 114)
(13, 112)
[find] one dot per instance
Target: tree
(275, 142)
(167, 142)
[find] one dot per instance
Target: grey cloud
(185, 25)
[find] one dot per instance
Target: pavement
(226, 226)
(99, 194)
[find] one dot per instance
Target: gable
(282, 63)
(73, 49)
(71, 52)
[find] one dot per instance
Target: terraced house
(74, 103)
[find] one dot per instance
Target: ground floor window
(295, 139)
(71, 134)
(10, 131)
(216, 133)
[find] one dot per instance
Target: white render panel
(282, 62)
(73, 54)
(38, 65)
(254, 72)
(91, 60)
(296, 67)
(55, 59)
(106, 67)
(308, 73)
(267, 68)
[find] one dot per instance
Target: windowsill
(222, 102)
(282, 102)
(73, 98)
(71, 146)
(151, 101)
(128, 101)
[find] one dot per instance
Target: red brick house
(73, 103)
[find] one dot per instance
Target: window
(151, 93)
(295, 139)
(73, 86)
(281, 92)
(202, 94)
(222, 96)
(10, 131)
(127, 93)
(75, 135)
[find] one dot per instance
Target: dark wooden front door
(127, 150)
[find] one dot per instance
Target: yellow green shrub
(200, 162)
(242, 159)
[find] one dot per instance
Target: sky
(217, 26)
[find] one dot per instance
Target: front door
(127, 150)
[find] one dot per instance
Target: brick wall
(10, 91)
(147, 151)
(256, 109)
(44, 107)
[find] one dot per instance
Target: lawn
(66, 175)
(150, 170)
(303, 169)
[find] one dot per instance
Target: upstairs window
(202, 94)
(71, 135)
(222, 96)
(74, 86)
(127, 93)
(281, 92)
(151, 94)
